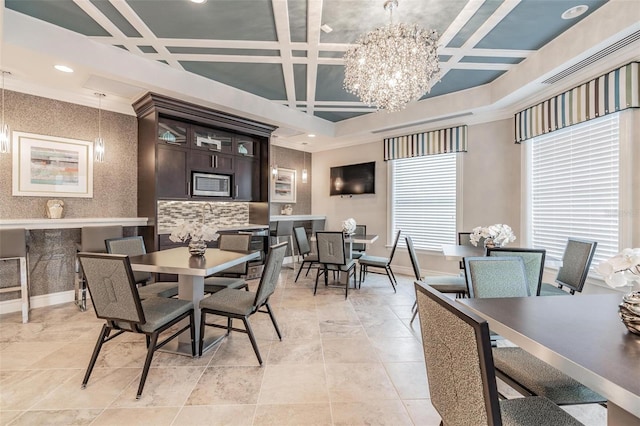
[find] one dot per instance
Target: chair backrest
(317, 225)
(496, 277)
(361, 230)
(13, 243)
(576, 261)
(270, 273)
(413, 258)
(395, 245)
(464, 238)
(331, 248)
(112, 287)
(93, 237)
(131, 246)
(304, 248)
(235, 242)
(457, 354)
(284, 228)
(533, 264)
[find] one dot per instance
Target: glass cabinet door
(172, 132)
(246, 146)
(212, 140)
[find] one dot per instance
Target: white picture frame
(284, 186)
(50, 166)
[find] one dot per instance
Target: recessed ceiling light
(325, 28)
(198, 1)
(574, 12)
(63, 68)
(311, 135)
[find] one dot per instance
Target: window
(423, 200)
(575, 187)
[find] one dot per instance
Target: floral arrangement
(622, 269)
(499, 234)
(193, 231)
(349, 226)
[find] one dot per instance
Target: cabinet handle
(237, 192)
(213, 161)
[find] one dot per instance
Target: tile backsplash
(222, 214)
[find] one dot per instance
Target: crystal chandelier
(392, 65)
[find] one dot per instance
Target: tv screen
(353, 179)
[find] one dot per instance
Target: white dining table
(191, 272)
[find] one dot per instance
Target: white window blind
(575, 187)
(423, 200)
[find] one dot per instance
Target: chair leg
(24, 289)
(315, 287)
(273, 319)
(308, 268)
(104, 333)
(229, 325)
(203, 314)
(147, 363)
(192, 322)
(392, 277)
(415, 311)
(299, 270)
(252, 338)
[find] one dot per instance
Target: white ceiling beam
(314, 20)
(281, 18)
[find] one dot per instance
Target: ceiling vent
(631, 38)
(419, 123)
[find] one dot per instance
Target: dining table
(581, 336)
(191, 271)
(460, 251)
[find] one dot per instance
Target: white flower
(501, 234)
(622, 269)
(349, 226)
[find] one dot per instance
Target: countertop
(298, 217)
(247, 226)
(70, 223)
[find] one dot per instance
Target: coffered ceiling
(220, 53)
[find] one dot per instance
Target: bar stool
(13, 246)
(92, 240)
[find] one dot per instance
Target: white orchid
(349, 226)
(499, 233)
(186, 231)
(622, 269)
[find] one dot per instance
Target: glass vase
(629, 311)
(489, 243)
(197, 247)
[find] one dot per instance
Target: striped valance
(611, 92)
(428, 143)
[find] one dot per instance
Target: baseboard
(15, 305)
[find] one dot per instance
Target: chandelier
(392, 65)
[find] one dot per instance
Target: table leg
(617, 416)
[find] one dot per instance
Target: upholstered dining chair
(231, 277)
(367, 262)
(358, 249)
(496, 276)
(460, 370)
(13, 246)
(304, 249)
(115, 299)
(332, 256)
(533, 263)
(237, 304)
(134, 246)
(284, 230)
(576, 261)
(444, 283)
(464, 240)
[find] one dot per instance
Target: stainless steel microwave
(210, 185)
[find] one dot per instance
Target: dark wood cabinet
(172, 172)
(247, 181)
(208, 162)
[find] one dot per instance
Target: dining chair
(231, 277)
(236, 304)
(366, 262)
(464, 240)
(92, 240)
(13, 246)
(443, 283)
(332, 256)
(573, 273)
(115, 299)
(304, 248)
(533, 264)
(134, 246)
(460, 370)
(358, 249)
(284, 230)
(496, 276)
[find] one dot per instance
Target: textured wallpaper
(296, 160)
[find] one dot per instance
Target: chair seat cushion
(311, 257)
(342, 268)
(158, 311)
(541, 378)
(230, 300)
(356, 255)
(447, 284)
(534, 411)
(215, 284)
(161, 289)
(374, 261)
(552, 290)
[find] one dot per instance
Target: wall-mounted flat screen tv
(353, 179)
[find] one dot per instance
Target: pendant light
(304, 167)
(99, 143)
(274, 166)
(5, 138)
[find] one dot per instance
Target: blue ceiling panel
(266, 80)
(491, 60)
(116, 18)
(534, 23)
(64, 13)
(456, 80)
(472, 25)
(220, 19)
(298, 20)
(329, 81)
(147, 49)
(336, 116)
(300, 81)
(299, 53)
(222, 51)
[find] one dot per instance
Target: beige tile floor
(341, 362)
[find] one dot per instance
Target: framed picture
(283, 189)
(45, 166)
